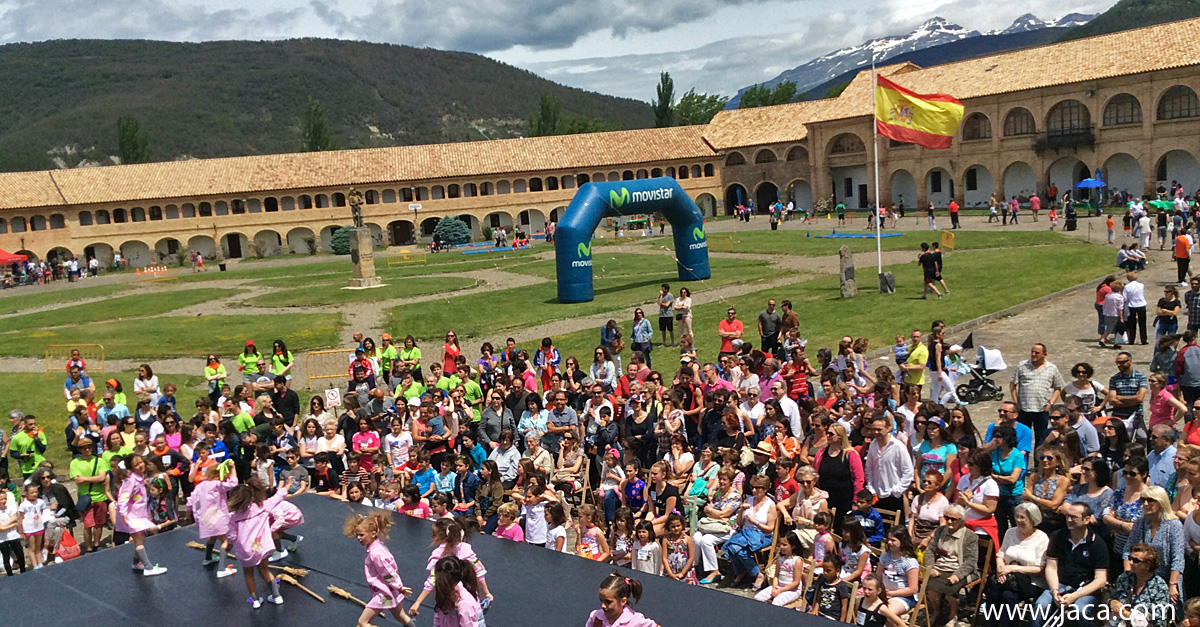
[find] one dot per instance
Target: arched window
(655, 173)
(339, 199)
(370, 197)
(1068, 117)
(205, 210)
(422, 193)
(684, 172)
(470, 190)
(598, 177)
(389, 196)
(846, 143)
(172, 212)
(697, 172)
(613, 177)
(551, 183)
(765, 156)
(486, 189)
(1179, 102)
(271, 203)
(406, 194)
(3, 226)
(797, 153)
(438, 192)
(519, 186)
(671, 171)
(102, 217)
(583, 179)
(642, 174)
(236, 206)
(535, 184)
(503, 187)
(18, 224)
(453, 191)
(85, 218)
(119, 216)
(306, 201)
(1019, 121)
(57, 221)
(709, 170)
(287, 203)
(37, 223)
(977, 126)
(156, 213)
(137, 214)
(1122, 109)
(734, 158)
(627, 175)
(188, 210)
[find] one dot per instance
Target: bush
(452, 230)
(487, 233)
(340, 241)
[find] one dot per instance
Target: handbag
(714, 526)
(85, 500)
(67, 548)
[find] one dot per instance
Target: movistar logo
(615, 200)
(698, 233)
(584, 249)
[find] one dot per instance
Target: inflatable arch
(593, 201)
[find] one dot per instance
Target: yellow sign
(947, 241)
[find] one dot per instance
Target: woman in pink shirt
(211, 512)
(1164, 405)
(380, 568)
(133, 512)
(615, 592)
(250, 533)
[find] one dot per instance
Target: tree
(452, 231)
(132, 146)
(836, 90)
(314, 134)
(546, 121)
(340, 241)
(763, 96)
(664, 105)
(695, 108)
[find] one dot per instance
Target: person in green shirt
(243, 422)
(409, 387)
(29, 446)
(473, 395)
(281, 361)
(214, 373)
(914, 367)
(442, 382)
(410, 357)
(389, 357)
(248, 359)
(89, 473)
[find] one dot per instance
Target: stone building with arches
(1124, 104)
(292, 203)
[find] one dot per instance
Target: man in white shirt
(1135, 301)
(790, 410)
(889, 467)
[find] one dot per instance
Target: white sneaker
(45, 555)
(154, 570)
(255, 601)
(277, 599)
(278, 555)
(226, 572)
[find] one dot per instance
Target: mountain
(63, 98)
(1128, 14)
(936, 33)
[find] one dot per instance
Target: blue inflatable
(594, 201)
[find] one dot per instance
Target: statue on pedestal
(355, 198)
(361, 245)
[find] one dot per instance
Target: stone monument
(846, 273)
(361, 246)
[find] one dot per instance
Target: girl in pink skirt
(133, 512)
(211, 513)
(448, 540)
(380, 567)
(250, 533)
(615, 592)
(284, 516)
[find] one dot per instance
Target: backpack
(1180, 361)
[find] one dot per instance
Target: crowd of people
(850, 480)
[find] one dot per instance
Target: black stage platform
(533, 587)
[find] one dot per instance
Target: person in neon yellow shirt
(914, 366)
(248, 359)
(410, 357)
(389, 356)
(281, 361)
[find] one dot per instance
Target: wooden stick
(197, 545)
(292, 580)
(297, 572)
(345, 594)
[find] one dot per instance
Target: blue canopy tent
(1093, 183)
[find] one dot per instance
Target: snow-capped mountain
(934, 32)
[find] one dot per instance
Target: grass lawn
(336, 293)
(631, 264)
(795, 242)
(114, 308)
(981, 282)
(25, 298)
(327, 274)
(489, 316)
(176, 336)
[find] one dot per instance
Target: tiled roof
(1161, 47)
(236, 175)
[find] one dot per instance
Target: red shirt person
(729, 329)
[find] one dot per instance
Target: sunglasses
(1147, 501)
(1131, 473)
(1137, 560)
(951, 519)
(1048, 458)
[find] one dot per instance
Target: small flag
(929, 120)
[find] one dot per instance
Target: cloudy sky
(612, 46)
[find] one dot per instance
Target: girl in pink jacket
(448, 541)
(133, 512)
(380, 567)
(250, 533)
(211, 513)
(615, 591)
(284, 516)
(456, 601)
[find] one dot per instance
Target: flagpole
(875, 151)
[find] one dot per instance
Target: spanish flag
(928, 120)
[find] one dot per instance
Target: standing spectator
(1126, 392)
(1008, 467)
(642, 335)
(1187, 360)
(1162, 454)
(1076, 568)
(914, 366)
(1135, 302)
(729, 329)
(1183, 256)
(561, 420)
(790, 320)
(666, 323)
(1166, 313)
(1036, 385)
(769, 322)
(889, 465)
(953, 214)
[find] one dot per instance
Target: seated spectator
(1047, 485)
(953, 556)
(1020, 563)
(1076, 568)
(927, 509)
(1162, 530)
(1140, 592)
(900, 571)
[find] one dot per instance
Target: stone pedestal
(887, 283)
(846, 273)
(361, 248)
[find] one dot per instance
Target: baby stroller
(988, 361)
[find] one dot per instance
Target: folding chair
(766, 555)
(852, 608)
(986, 548)
(922, 602)
(891, 517)
(809, 567)
(587, 483)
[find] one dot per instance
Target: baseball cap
(414, 401)
(249, 342)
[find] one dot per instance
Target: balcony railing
(1066, 139)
